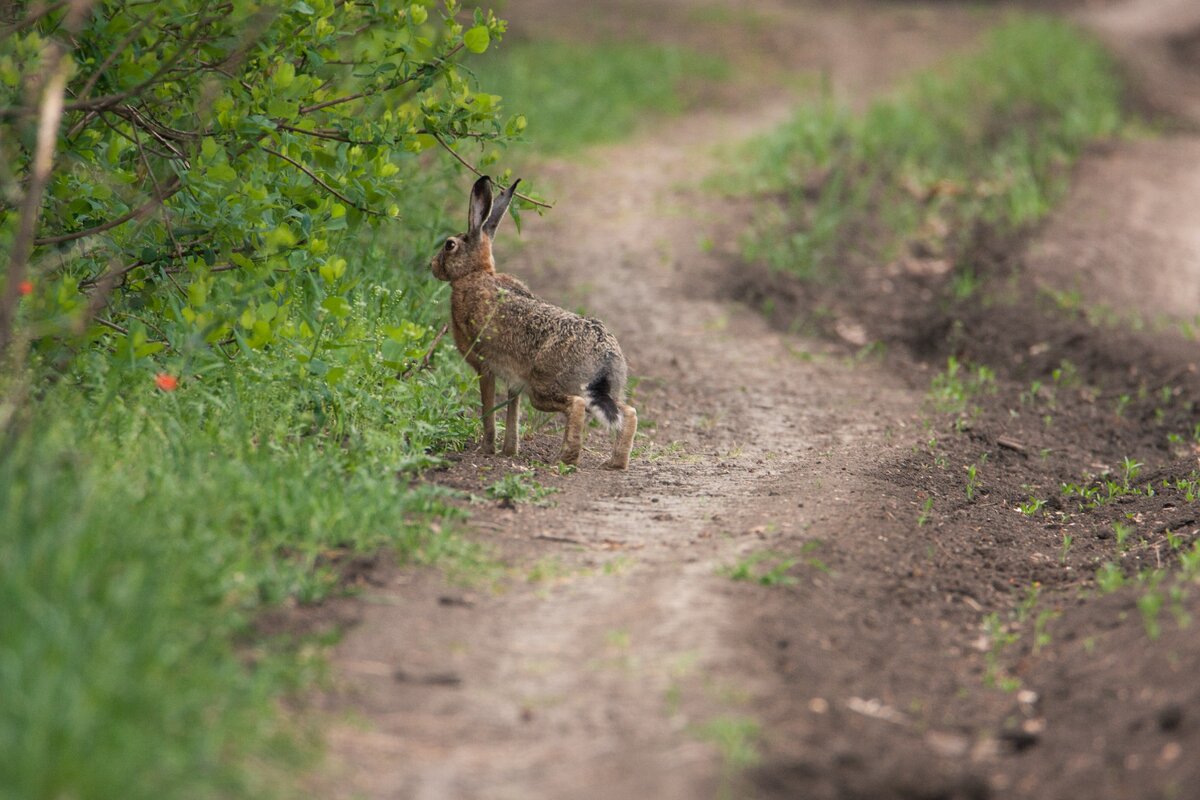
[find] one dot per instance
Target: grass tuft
(574, 94)
(986, 138)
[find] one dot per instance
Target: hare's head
(469, 252)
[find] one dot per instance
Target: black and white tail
(598, 394)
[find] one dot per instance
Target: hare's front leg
(487, 398)
(512, 423)
(624, 443)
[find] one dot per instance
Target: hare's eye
(450, 245)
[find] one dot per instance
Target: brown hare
(565, 362)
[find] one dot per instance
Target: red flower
(26, 287)
(168, 383)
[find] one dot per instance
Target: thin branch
(17, 27)
(134, 32)
(87, 283)
(320, 182)
(169, 190)
(338, 136)
(425, 362)
(114, 326)
(337, 101)
(110, 100)
(471, 167)
(103, 117)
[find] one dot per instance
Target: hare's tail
(599, 396)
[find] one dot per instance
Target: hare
(567, 363)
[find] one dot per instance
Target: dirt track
(616, 660)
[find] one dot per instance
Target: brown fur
(566, 363)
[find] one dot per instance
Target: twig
(471, 167)
(337, 101)
(110, 100)
(17, 27)
(425, 362)
(169, 190)
(112, 325)
(134, 32)
(548, 538)
(320, 182)
(1011, 444)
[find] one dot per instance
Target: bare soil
(616, 657)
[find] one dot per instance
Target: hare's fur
(565, 362)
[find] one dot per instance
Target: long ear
(499, 208)
(481, 205)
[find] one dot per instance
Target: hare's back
(574, 350)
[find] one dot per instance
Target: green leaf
(337, 306)
(477, 39)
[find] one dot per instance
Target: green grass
(138, 539)
(952, 391)
(764, 567)
(574, 94)
(141, 532)
(519, 488)
(738, 739)
(985, 138)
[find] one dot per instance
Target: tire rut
(622, 667)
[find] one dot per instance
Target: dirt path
(1126, 237)
(615, 659)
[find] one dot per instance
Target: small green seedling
(972, 481)
(1065, 550)
(1122, 532)
(748, 569)
(1109, 577)
(926, 512)
(1032, 506)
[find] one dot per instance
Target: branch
(424, 363)
(134, 32)
(17, 27)
(114, 326)
(320, 182)
(469, 166)
(110, 100)
(359, 95)
(146, 208)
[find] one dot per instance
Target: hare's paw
(616, 463)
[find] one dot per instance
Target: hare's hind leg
(624, 443)
(576, 411)
(487, 399)
(512, 424)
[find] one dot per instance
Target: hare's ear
(481, 205)
(499, 208)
